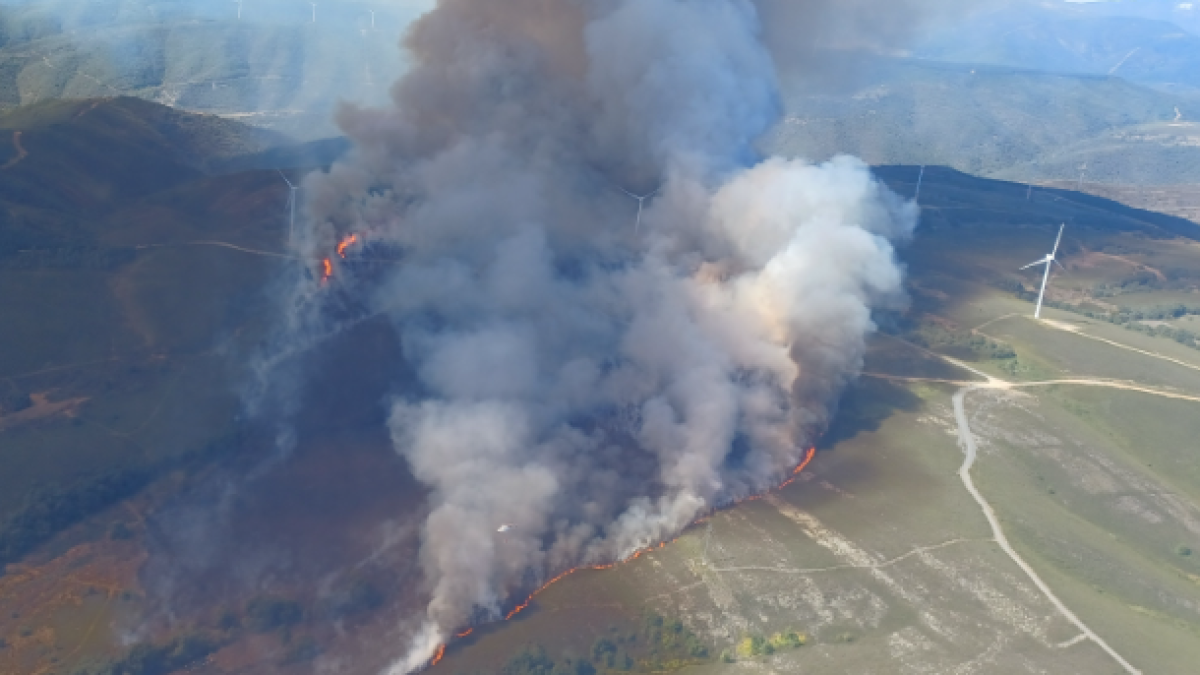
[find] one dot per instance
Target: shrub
(267, 613)
(119, 531)
(15, 401)
(158, 659)
(303, 650)
(358, 597)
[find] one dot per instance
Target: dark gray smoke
(594, 381)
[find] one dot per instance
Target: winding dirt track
(967, 440)
(964, 472)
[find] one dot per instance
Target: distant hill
(275, 67)
(1142, 50)
(1007, 122)
(82, 155)
(66, 166)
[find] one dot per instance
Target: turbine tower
(1050, 259)
(239, 11)
(372, 18)
(314, 11)
(291, 205)
(641, 200)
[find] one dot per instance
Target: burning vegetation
(598, 373)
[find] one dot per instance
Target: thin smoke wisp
(592, 384)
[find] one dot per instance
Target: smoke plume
(595, 375)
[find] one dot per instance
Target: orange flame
(346, 243)
(808, 458)
(327, 267)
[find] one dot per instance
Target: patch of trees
(1126, 317)
(13, 399)
(959, 343)
(159, 658)
(79, 257)
(355, 598)
(751, 646)
(1144, 280)
(266, 613)
(261, 614)
(660, 645)
(50, 509)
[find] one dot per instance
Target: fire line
(808, 458)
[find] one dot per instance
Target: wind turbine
(641, 200)
(372, 18)
(314, 11)
(1049, 260)
(291, 205)
(920, 178)
(1082, 170)
(239, 4)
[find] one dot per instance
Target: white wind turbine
(239, 4)
(641, 200)
(1050, 259)
(314, 11)
(920, 179)
(291, 206)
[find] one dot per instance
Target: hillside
(995, 121)
(136, 480)
(1138, 49)
(83, 154)
(274, 67)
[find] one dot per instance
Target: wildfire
(327, 269)
(346, 243)
(808, 458)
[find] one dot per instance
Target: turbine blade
(285, 179)
(1060, 264)
(1059, 240)
(1043, 261)
(626, 191)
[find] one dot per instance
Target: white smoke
(595, 385)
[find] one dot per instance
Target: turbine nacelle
(641, 200)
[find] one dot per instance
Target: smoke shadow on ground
(864, 406)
